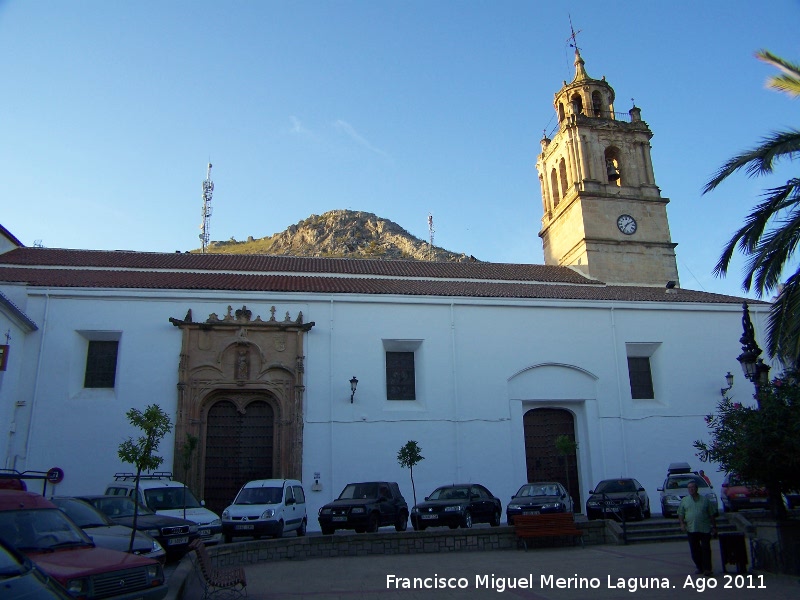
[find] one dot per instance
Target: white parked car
(266, 507)
(162, 495)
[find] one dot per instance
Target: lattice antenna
(431, 231)
(208, 190)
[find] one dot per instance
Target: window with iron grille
(400, 376)
(101, 364)
(640, 376)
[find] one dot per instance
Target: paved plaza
(657, 570)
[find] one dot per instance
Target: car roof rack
(38, 475)
(153, 475)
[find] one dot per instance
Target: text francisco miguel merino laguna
(501, 584)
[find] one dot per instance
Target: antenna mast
(208, 190)
(431, 230)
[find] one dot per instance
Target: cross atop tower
(573, 36)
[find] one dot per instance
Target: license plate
(530, 512)
(429, 516)
(242, 527)
(339, 519)
(205, 532)
(178, 540)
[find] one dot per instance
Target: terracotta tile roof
(261, 263)
(137, 270)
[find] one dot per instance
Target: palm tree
(771, 232)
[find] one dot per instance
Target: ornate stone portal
(238, 360)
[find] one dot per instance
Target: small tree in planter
(154, 424)
(566, 447)
(187, 454)
(409, 456)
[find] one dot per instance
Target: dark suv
(365, 507)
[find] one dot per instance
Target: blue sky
(111, 110)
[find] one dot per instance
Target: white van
(266, 507)
(162, 495)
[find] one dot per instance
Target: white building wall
(481, 364)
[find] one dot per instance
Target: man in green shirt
(697, 517)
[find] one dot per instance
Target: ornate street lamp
(754, 367)
(353, 386)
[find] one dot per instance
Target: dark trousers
(700, 546)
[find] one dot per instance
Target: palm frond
(789, 82)
(759, 160)
(783, 326)
(748, 239)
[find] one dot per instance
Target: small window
(400, 376)
(641, 377)
(299, 495)
(3, 356)
(101, 364)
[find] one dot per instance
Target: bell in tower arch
(611, 170)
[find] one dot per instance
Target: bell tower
(603, 214)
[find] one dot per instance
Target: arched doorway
(542, 426)
(239, 448)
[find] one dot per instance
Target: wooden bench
(546, 525)
(217, 582)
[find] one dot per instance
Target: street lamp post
(754, 367)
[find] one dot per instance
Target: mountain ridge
(342, 233)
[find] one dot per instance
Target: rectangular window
(641, 377)
(3, 357)
(400, 376)
(101, 364)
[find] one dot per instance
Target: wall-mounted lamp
(353, 386)
(729, 381)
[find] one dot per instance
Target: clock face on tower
(626, 224)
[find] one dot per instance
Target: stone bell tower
(603, 213)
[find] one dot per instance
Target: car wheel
(301, 531)
(402, 522)
(453, 526)
(647, 512)
(359, 530)
(639, 513)
(327, 530)
(495, 522)
(228, 538)
(372, 524)
(279, 532)
(467, 524)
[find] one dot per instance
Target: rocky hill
(342, 234)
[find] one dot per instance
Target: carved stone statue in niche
(243, 364)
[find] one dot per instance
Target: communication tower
(208, 190)
(431, 230)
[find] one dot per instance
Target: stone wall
(391, 542)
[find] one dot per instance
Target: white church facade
(482, 364)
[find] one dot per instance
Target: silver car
(675, 488)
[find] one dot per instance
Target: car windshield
(677, 482)
(359, 490)
(167, 498)
(450, 493)
(613, 486)
(535, 489)
(83, 514)
(260, 495)
(117, 507)
(9, 565)
(40, 529)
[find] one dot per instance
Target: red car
(736, 495)
(37, 528)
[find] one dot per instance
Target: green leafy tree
(566, 447)
(154, 424)
(762, 444)
(771, 231)
(409, 456)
